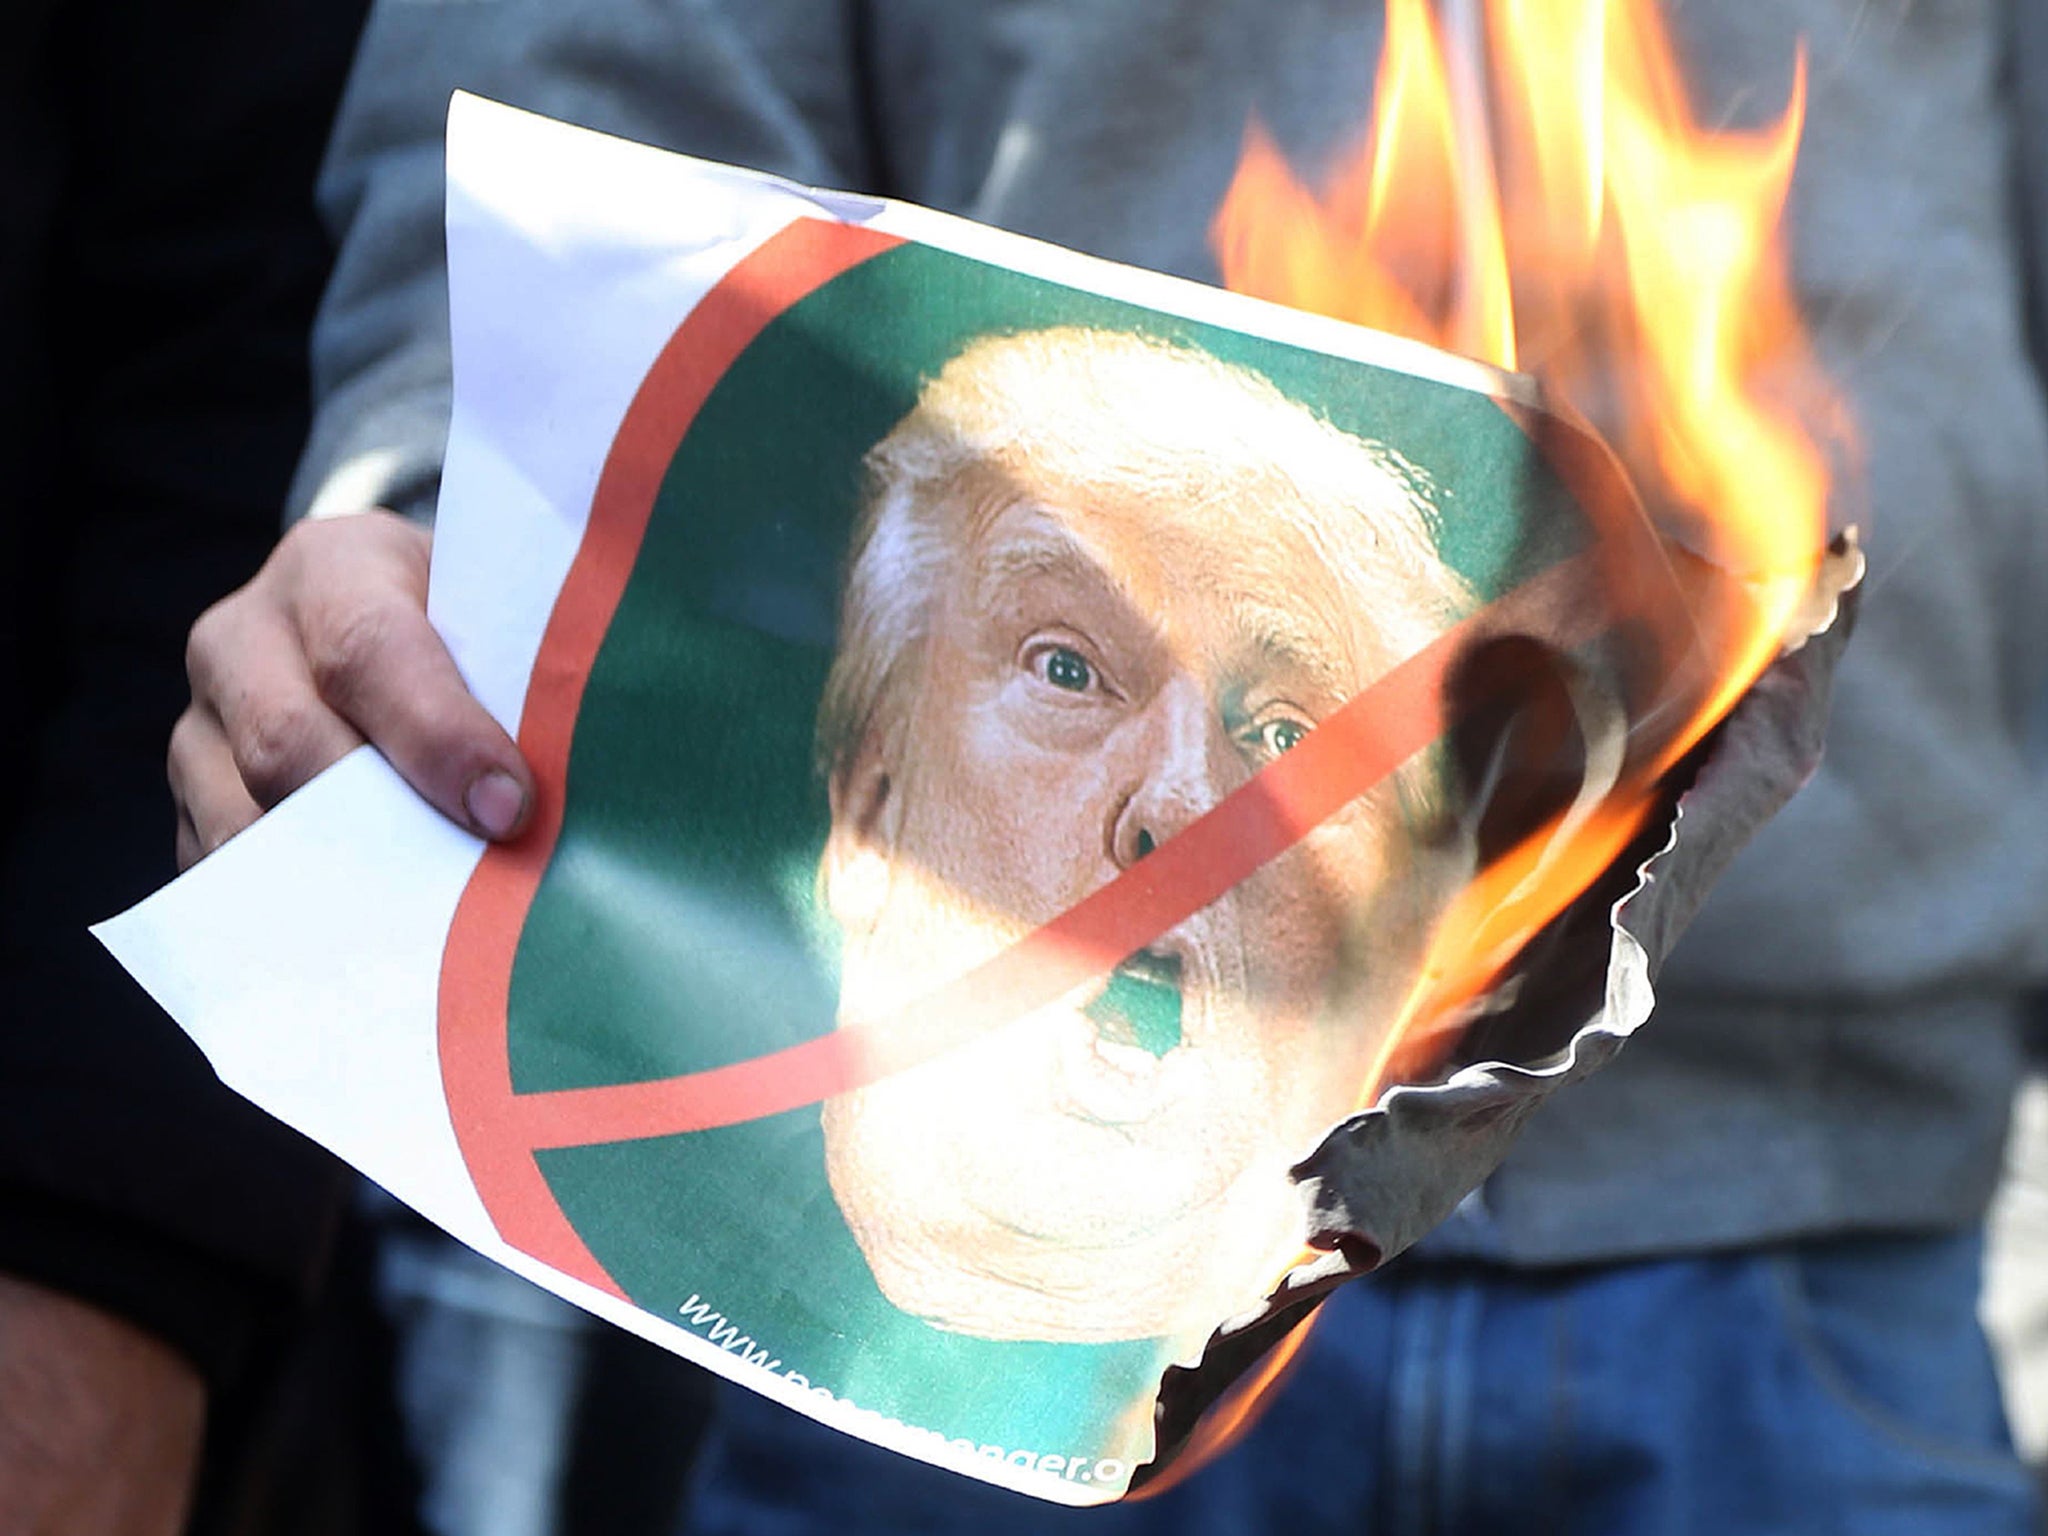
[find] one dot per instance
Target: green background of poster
(675, 931)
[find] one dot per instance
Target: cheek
(1014, 822)
(1310, 914)
(1325, 983)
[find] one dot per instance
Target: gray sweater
(1836, 1040)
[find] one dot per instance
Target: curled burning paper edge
(1384, 1177)
(1839, 578)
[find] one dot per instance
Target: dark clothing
(159, 264)
(160, 268)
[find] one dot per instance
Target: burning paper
(1014, 735)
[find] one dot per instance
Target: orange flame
(1534, 191)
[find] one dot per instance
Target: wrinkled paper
(996, 786)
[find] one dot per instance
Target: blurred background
(206, 1324)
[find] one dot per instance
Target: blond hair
(1082, 408)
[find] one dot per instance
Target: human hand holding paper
(327, 647)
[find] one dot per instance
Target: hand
(99, 1422)
(329, 646)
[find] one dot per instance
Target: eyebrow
(1287, 641)
(1042, 552)
(1269, 637)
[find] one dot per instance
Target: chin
(1035, 1226)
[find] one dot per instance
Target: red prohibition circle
(499, 1131)
(476, 964)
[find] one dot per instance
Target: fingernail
(495, 803)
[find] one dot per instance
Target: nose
(1172, 777)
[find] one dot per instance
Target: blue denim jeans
(1823, 1387)
(488, 1369)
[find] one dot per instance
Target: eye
(1278, 736)
(1270, 738)
(1065, 668)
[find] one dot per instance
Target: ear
(853, 875)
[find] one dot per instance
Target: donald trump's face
(1100, 663)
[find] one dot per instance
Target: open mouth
(1141, 1005)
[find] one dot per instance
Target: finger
(213, 803)
(247, 671)
(186, 841)
(377, 662)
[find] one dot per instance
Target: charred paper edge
(1417, 1176)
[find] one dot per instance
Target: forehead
(1216, 575)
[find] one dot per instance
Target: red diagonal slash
(1344, 757)
(499, 1131)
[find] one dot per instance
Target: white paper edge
(1190, 300)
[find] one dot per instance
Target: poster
(996, 794)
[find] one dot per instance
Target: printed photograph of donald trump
(1098, 582)
(960, 598)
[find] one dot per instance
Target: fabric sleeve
(2030, 187)
(2029, 86)
(770, 84)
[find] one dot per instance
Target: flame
(1232, 1414)
(1406, 237)
(1536, 192)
